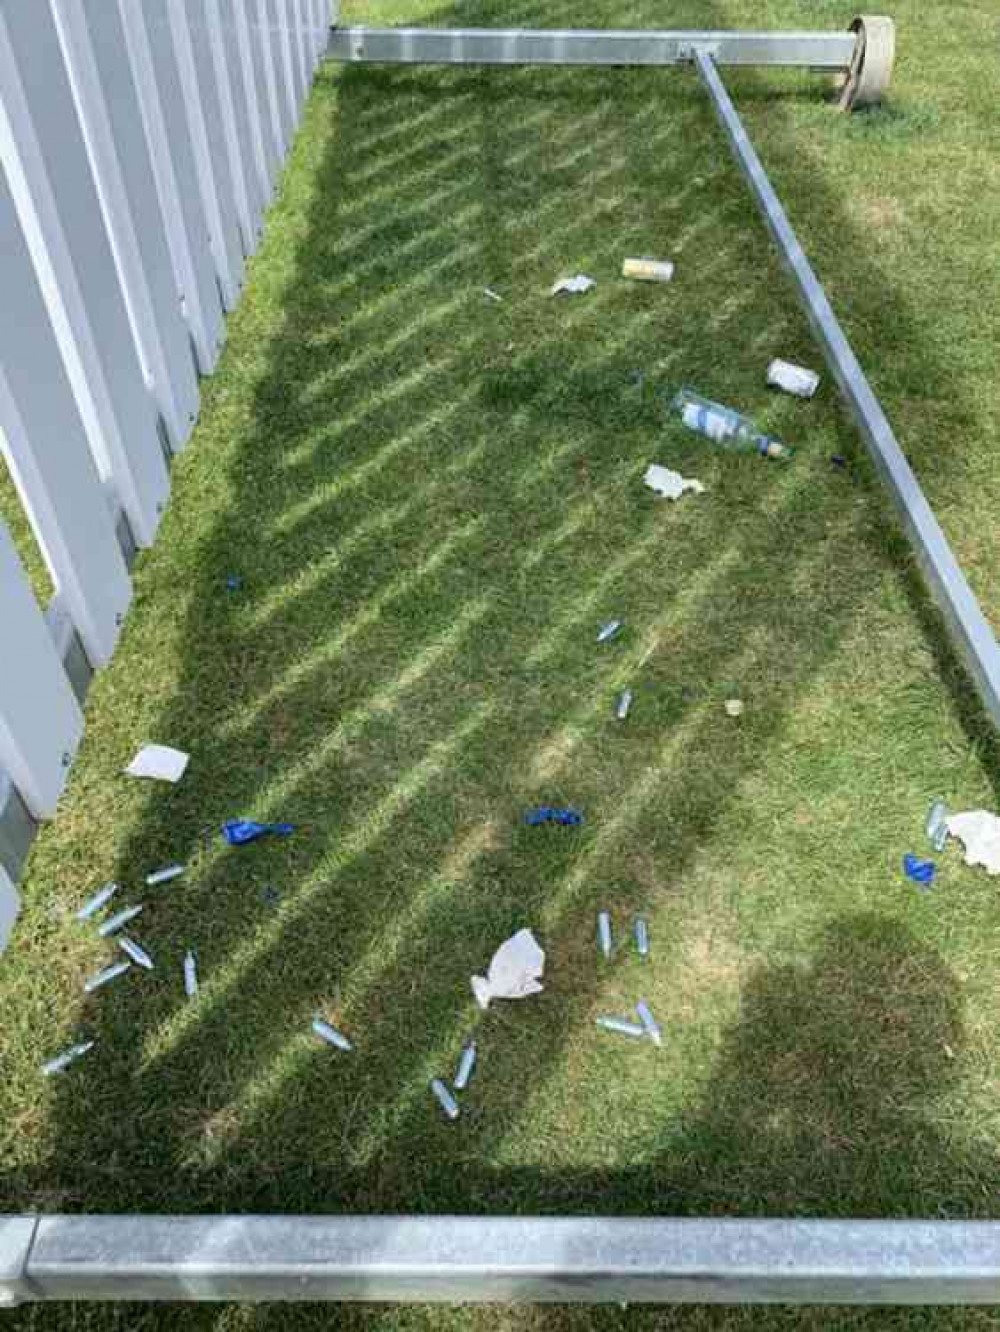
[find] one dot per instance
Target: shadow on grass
(433, 505)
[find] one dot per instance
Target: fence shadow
(396, 526)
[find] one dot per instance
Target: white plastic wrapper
(514, 971)
(574, 286)
(669, 484)
(979, 832)
(794, 379)
(159, 762)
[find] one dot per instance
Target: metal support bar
(966, 622)
(448, 1259)
(580, 46)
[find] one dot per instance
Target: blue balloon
(920, 871)
(238, 832)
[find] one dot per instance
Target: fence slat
(169, 142)
(93, 44)
(171, 21)
(267, 46)
(43, 153)
(242, 15)
(299, 45)
(228, 70)
(287, 102)
(46, 448)
(10, 908)
(40, 719)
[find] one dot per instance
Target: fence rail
(141, 142)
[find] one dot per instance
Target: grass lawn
(434, 501)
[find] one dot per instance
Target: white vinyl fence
(140, 145)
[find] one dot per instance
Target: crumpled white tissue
(514, 971)
(979, 830)
(574, 285)
(671, 485)
(160, 762)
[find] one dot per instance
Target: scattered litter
(493, 295)
(734, 707)
(575, 286)
(838, 460)
(648, 270)
(622, 1026)
(794, 379)
(670, 484)
(649, 1024)
(610, 630)
(234, 583)
(114, 923)
(165, 875)
(980, 832)
(159, 762)
(190, 975)
(445, 1099)
(100, 899)
(624, 704)
(270, 896)
(238, 832)
(67, 1057)
(569, 818)
(108, 974)
(331, 1035)
(604, 942)
(136, 953)
(517, 964)
(725, 427)
(465, 1066)
(920, 871)
(641, 932)
(936, 823)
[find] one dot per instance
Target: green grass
(434, 502)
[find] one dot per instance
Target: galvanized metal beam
(447, 1259)
(581, 46)
(968, 626)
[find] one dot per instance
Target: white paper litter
(575, 286)
(794, 379)
(514, 971)
(979, 831)
(159, 762)
(493, 295)
(671, 485)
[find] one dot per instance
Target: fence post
(169, 142)
(43, 153)
(46, 448)
(94, 47)
(40, 719)
(267, 43)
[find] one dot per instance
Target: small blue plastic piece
(548, 814)
(920, 871)
(238, 832)
(234, 583)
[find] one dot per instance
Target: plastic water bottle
(728, 429)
